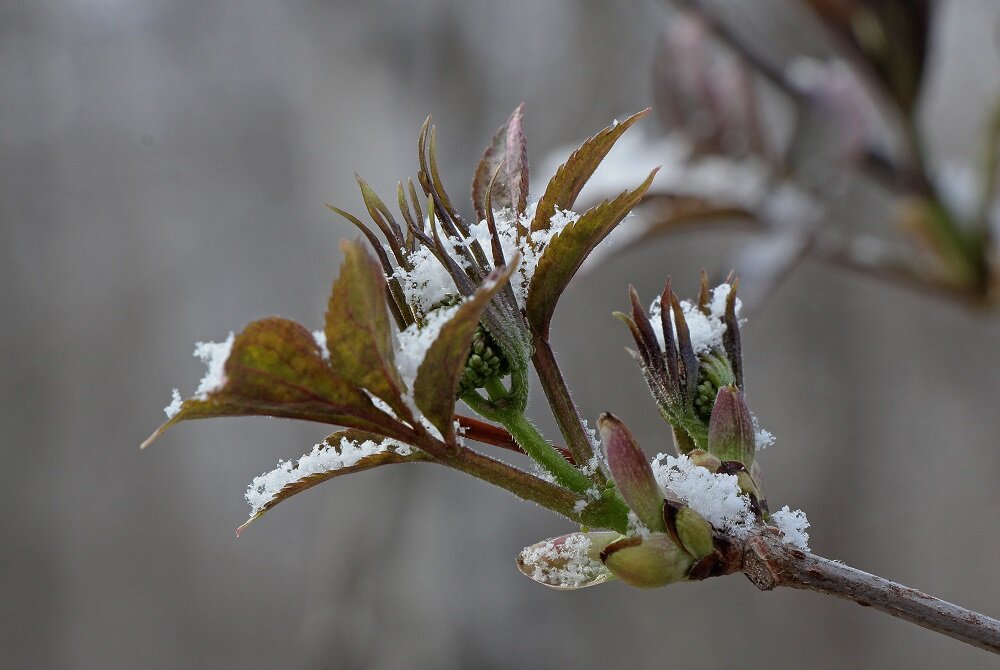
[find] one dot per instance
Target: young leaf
(568, 562)
(438, 376)
(339, 454)
(357, 328)
(509, 147)
(569, 179)
(275, 368)
(566, 252)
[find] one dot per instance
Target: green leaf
(341, 443)
(357, 329)
(436, 385)
(275, 368)
(566, 252)
(569, 179)
(509, 147)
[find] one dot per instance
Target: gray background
(163, 171)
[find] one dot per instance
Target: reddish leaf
(509, 147)
(346, 458)
(438, 376)
(569, 179)
(566, 252)
(275, 368)
(357, 328)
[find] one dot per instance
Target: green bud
(631, 472)
(695, 533)
(704, 459)
(730, 431)
(647, 562)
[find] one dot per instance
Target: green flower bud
(485, 361)
(730, 431)
(694, 532)
(631, 472)
(647, 562)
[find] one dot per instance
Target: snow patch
(214, 355)
(174, 408)
(324, 457)
(793, 524)
(716, 497)
(706, 330)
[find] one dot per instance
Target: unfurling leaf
(438, 377)
(275, 368)
(567, 251)
(342, 453)
(568, 562)
(510, 189)
(357, 328)
(569, 179)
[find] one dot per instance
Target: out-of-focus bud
(730, 430)
(631, 472)
(647, 562)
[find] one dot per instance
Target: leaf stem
(543, 453)
(563, 408)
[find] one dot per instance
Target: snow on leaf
(275, 368)
(568, 562)
(342, 453)
(569, 179)
(441, 369)
(565, 253)
(358, 334)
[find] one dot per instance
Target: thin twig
(768, 562)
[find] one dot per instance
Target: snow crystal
(320, 337)
(762, 439)
(716, 497)
(580, 505)
(793, 524)
(414, 342)
(428, 281)
(563, 562)
(706, 331)
(636, 527)
(174, 407)
(214, 355)
(323, 458)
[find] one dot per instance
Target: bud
(568, 562)
(730, 431)
(694, 532)
(631, 472)
(647, 562)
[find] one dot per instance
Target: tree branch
(768, 562)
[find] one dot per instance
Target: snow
(413, 343)
(563, 562)
(428, 281)
(793, 524)
(320, 337)
(716, 497)
(174, 407)
(324, 457)
(706, 331)
(214, 355)
(762, 438)
(636, 528)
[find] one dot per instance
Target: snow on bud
(648, 562)
(731, 434)
(631, 472)
(567, 562)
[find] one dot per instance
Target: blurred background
(163, 172)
